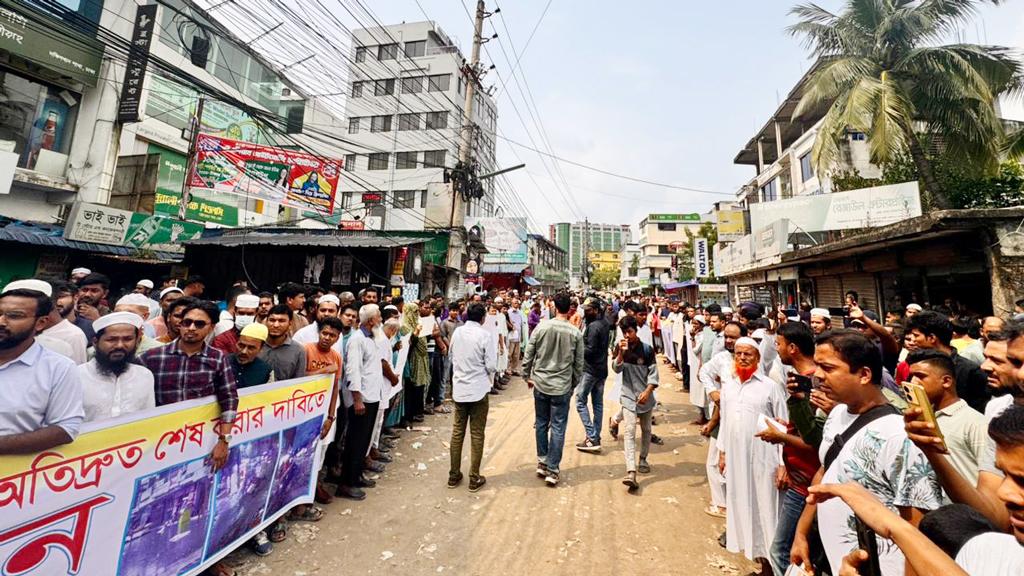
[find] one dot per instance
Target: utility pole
(585, 265)
(190, 162)
(472, 72)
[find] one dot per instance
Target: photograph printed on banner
(167, 524)
(294, 468)
(242, 489)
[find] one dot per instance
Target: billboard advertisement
(700, 258)
(105, 225)
(864, 208)
(265, 173)
(731, 225)
(137, 495)
(505, 239)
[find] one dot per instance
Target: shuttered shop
(828, 292)
(864, 286)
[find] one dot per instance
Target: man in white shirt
(517, 319)
(112, 385)
(876, 454)
(365, 381)
(328, 305)
(473, 362)
(61, 328)
(44, 409)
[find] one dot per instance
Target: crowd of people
(823, 425)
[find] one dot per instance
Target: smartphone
(803, 383)
(867, 542)
(918, 398)
(795, 570)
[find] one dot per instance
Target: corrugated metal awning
(231, 238)
(52, 236)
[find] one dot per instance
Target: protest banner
(136, 495)
(264, 173)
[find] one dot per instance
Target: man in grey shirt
(553, 367)
(287, 358)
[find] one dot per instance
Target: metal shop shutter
(864, 286)
(828, 292)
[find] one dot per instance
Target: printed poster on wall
(136, 495)
(265, 173)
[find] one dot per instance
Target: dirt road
(412, 524)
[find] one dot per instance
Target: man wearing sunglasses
(189, 368)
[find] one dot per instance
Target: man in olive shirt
(553, 367)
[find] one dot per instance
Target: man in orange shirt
(321, 358)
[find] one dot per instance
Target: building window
(379, 161)
(404, 199)
(415, 49)
(387, 52)
(858, 136)
(350, 162)
(436, 120)
(384, 87)
(380, 124)
(357, 89)
(662, 249)
(408, 121)
(413, 85)
(346, 199)
(666, 227)
(361, 54)
(353, 125)
(433, 159)
(439, 82)
(806, 172)
(406, 160)
(423, 198)
(770, 192)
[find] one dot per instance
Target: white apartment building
(662, 238)
(629, 275)
(780, 153)
(404, 110)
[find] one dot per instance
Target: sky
(665, 91)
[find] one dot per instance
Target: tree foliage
(604, 279)
(880, 72)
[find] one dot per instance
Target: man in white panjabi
(112, 385)
(749, 465)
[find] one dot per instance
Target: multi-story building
(405, 116)
(629, 273)
(663, 237)
(780, 153)
(548, 265)
(604, 260)
(581, 238)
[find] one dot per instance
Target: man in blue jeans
(553, 367)
(595, 372)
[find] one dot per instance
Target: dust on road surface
(413, 524)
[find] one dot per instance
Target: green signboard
(175, 104)
(170, 178)
(42, 39)
(159, 232)
(674, 217)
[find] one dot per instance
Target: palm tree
(881, 73)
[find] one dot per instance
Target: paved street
(413, 524)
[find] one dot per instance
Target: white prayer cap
(129, 318)
(325, 298)
(793, 318)
(133, 299)
(33, 284)
(748, 341)
(168, 290)
(726, 310)
(700, 319)
(823, 312)
(498, 299)
(78, 271)
(145, 283)
(388, 307)
(249, 301)
(914, 307)
(759, 334)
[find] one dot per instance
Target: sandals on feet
(310, 514)
(278, 531)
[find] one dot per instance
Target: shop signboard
(864, 208)
(505, 239)
(169, 181)
(700, 258)
(106, 225)
(135, 67)
(731, 225)
(136, 494)
(694, 217)
(42, 39)
(271, 174)
(175, 104)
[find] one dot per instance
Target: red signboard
(372, 197)
(266, 173)
(351, 225)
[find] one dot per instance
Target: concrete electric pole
(472, 72)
